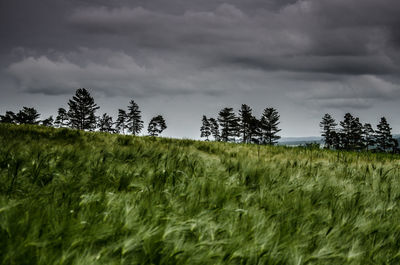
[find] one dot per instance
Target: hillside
(71, 197)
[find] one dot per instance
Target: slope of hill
(70, 197)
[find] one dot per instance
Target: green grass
(70, 197)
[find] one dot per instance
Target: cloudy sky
(186, 58)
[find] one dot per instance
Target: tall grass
(70, 197)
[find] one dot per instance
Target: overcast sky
(186, 58)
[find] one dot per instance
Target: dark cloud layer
(332, 55)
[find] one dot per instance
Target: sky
(188, 58)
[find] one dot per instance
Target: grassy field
(70, 197)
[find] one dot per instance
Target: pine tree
(357, 142)
(328, 125)
(351, 133)
(336, 138)
(255, 131)
(105, 124)
(368, 136)
(48, 122)
(269, 126)
(245, 120)
(395, 146)
(214, 128)
(27, 116)
(346, 131)
(228, 123)
(62, 118)
(383, 135)
(205, 130)
(156, 126)
(135, 123)
(82, 110)
(8, 117)
(122, 120)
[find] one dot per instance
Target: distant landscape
(297, 141)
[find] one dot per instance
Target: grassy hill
(70, 197)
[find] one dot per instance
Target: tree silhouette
(27, 116)
(351, 133)
(383, 135)
(255, 131)
(48, 122)
(135, 123)
(9, 117)
(245, 123)
(122, 120)
(214, 128)
(269, 126)
(62, 118)
(336, 138)
(205, 130)
(357, 142)
(328, 125)
(395, 146)
(105, 124)
(82, 110)
(368, 136)
(156, 126)
(228, 123)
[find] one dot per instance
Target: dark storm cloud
(347, 92)
(340, 65)
(297, 37)
(112, 73)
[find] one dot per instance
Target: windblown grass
(70, 197)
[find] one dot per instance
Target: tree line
(355, 136)
(81, 115)
(228, 126)
(244, 127)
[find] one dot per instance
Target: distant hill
(295, 141)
